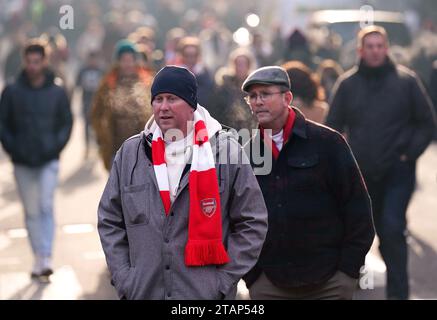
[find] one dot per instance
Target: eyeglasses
(264, 96)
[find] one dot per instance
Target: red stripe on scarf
(286, 134)
(158, 152)
(165, 196)
(201, 134)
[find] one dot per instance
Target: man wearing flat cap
(182, 215)
(319, 212)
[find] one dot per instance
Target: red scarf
(286, 134)
(205, 244)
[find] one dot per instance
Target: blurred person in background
(298, 48)
(171, 54)
(88, 80)
(328, 72)
(215, 40)
(228, 105)
(144, 38)
(191, 21)
(308, 94)
(191, 58)
(424, 50)
(168, 15)
(13, 63)
(35, 125)
(261, 49)
(114, 31)
(433, 90)
(90, 40)
(121, 105)
(57, 55)
(278, 43)
(387, 116)
(46, 13)
(326, 44)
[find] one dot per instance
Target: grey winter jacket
(144, 248)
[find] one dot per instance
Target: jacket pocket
(121, 281)
(303, 162)
(303, 172)
(135, 204)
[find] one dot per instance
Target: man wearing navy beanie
(178, 81)
(181, 195)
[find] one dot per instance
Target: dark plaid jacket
(320, 218)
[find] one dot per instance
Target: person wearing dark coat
(35, 125)
(229, 106)
(190, 50)
(387, 117)
(319, 211)
(433, 90)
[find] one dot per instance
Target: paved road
(80, 268)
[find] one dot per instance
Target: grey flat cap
(267, 75)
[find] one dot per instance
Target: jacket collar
(376, 72)
(48, 80)
(300, 127)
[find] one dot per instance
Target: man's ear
(288, 97)
(360, 52)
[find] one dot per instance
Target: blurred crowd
(195, 34)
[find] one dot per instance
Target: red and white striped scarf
(205, 245)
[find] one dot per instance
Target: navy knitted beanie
(176, 80)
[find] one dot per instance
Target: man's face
(93, 61)
(149, 44)
(34, 64)
(242, 66)
(270, 109)
(374, 50)
(190, 55)
(172, 112)
(127, 64)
